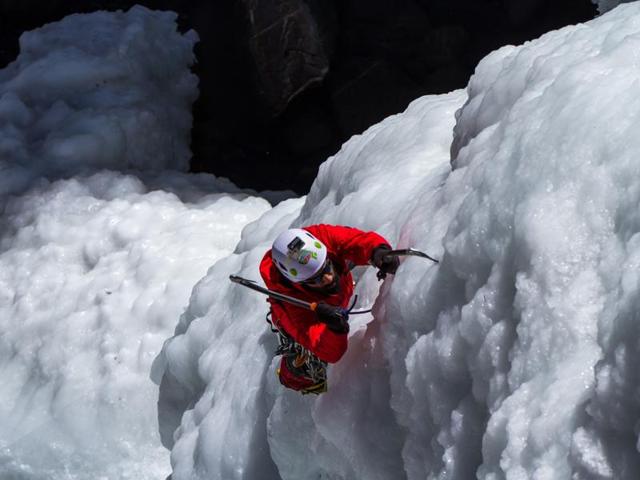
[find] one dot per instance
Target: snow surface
(97, 265)
(515, 357)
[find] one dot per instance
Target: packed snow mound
(103, 90)
(96, 265)
(515, 356)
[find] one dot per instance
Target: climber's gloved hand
(335, 318)
(384, 264)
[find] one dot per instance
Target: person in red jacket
(313, 264)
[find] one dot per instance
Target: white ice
(514, 358)
(99, 253)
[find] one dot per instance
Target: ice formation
(96, 265)
(515, 356)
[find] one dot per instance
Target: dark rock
(309, 127)
(521, 12)
(365, 92)
(288, 53)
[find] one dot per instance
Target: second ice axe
(404, 252)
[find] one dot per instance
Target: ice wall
(105, 90)
(546, 147)
(94, 272)
(98, 257)
(238, 420)
(515, 356)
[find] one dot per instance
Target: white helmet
(298, 254)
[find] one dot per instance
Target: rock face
(287, 49)
(283, 83)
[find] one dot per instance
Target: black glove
(334, 317)
(384, 264)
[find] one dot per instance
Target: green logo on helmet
(318, 245)
(293, 272)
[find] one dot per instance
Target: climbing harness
(300, 360)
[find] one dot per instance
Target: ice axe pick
(401, 253)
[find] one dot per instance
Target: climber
(313, 264)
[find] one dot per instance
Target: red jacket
(344, 245)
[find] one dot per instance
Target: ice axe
(278, 296)
(286, 298)
(401, 253)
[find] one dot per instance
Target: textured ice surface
(94, 273)
(243, 424)
(513, 358)
(100, 90)
(516, 356)
(97, 265)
